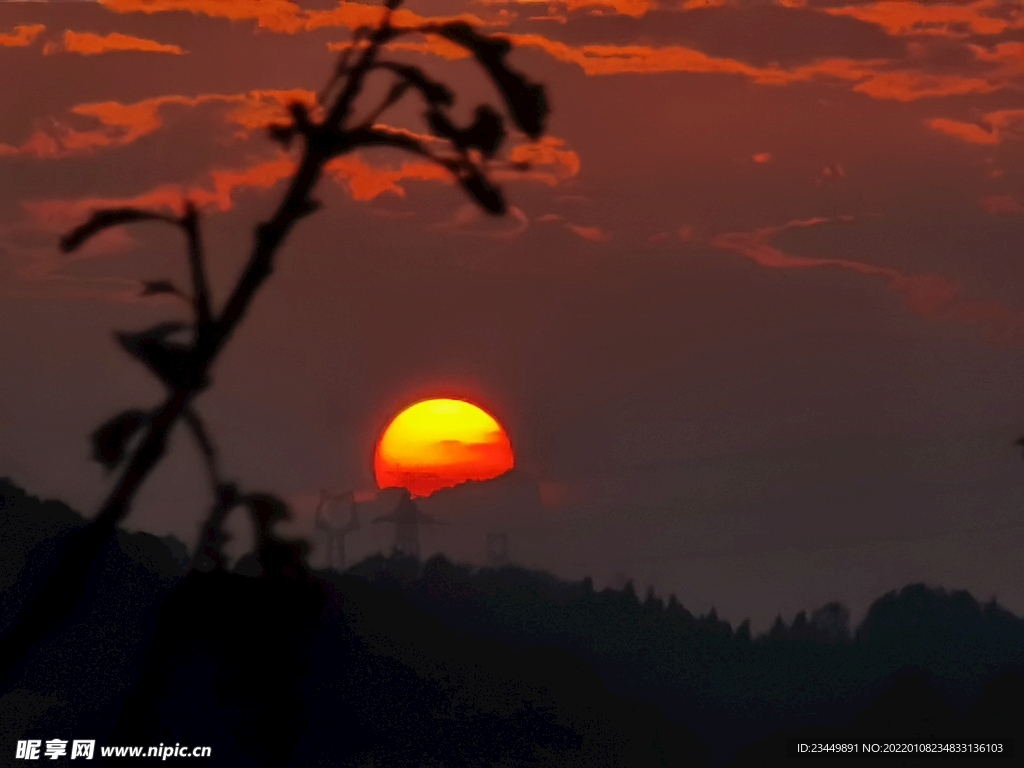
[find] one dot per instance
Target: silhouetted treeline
(313, 669)
(724, 684)
(404, 663)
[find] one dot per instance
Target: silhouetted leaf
(227, 494)
(267, 509)
(174, 364)
(526, 100)
(485, 133)
(104, 220)
(109, 441)
(486, 49)
(154, 287)
(392, 4)
(485, 193)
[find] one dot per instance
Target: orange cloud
(275, 15)
(594, 234)
(966, 131)
(634, 8)
(58, 215)
(432, 46)
(548, 162)
(89, 44)
(914, 18)
(762, 157)
(362, 180)
(871, 76)
(121, 124)
(1001, 124)
(1007, 60)
(556, 9)
(910, 85)
(256, 110)
(366, 182)
(353, 15)
(284, 16)
(930, 296)
(22, 36)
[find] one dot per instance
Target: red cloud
(275, 15)
(431, 45)
(121, 124)
(594, 234)
(1000, 127)
(283, 16)
(366, 182)
(634, 8)
(57, 215)
(23, 35)
(930, 296)
(871, 77)
(548, 162)
(910, 86)
(89, 44)
(914, 18)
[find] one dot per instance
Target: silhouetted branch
(109, 440)
(101, 220)
(200, 292)
(210, 552)
(155, 287)
(433, 92)
(195, 425)
(397, 91)
(184, 367)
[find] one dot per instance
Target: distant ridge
(954, 656)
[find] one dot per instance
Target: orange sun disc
(440, 443)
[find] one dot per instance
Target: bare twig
(200, 292)
(184, 369)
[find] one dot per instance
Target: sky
(754, 321)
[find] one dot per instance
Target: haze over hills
(466, 513)
(405, 652)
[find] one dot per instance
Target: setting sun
(440, 443)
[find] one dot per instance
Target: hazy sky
(754, 322)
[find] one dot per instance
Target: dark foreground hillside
(311, 670)
(917, 651)
(399, 663)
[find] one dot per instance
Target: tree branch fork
(184, 367)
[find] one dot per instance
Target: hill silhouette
(398, 662)
(321, 669)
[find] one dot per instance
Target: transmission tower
(338, 516)
(407, 518)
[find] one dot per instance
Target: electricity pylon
(331, 513)
(407, 518)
